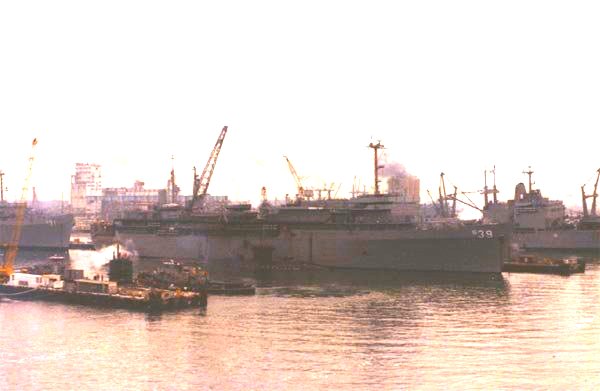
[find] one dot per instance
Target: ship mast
(1, 186)
(529, 173)
(485, 190)
(495, 190)
(173, 185)
(376, 147)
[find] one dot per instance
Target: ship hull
(584, 240)
(466, 249)
(51, 233)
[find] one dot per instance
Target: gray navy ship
(542, 224)
(40, 230)
(370, 231)
(357, 237)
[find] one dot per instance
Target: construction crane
(301, 191)
(201, 184)
(6, 268)
(593, 196)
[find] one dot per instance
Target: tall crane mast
(301, 191)
(6, 268)
(201, 184)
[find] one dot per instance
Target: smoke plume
(394, 170)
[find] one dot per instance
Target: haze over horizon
(454, 87)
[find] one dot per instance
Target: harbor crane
(201, 183)
(593, 196)
(6, 267)
(301, 191)
(443, 208)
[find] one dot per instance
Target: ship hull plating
(51, 233)
(465, 249)
(585, 240)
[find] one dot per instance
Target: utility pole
(376, 147)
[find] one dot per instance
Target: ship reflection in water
(316, 330)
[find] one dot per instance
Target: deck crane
(593, 196)
(447, 211)
(6, 267)
(301, 191)
(201, 184)
(443, 200)
(435, 205)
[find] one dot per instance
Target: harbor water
(319, 330)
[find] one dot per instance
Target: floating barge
(119, 291)
(141, 299)
(532, 264)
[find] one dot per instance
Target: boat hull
(585, 240)
(99, 299)
(51, 233)
(461, 249)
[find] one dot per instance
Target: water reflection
(342, 330)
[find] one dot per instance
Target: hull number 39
(482, 234)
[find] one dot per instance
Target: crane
(593, 196)
(201, 184)
(435, 205)
(443, 196)
(6, 268)
(301, 191)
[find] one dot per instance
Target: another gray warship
(542, 224)
(370, 231)
(40, 230)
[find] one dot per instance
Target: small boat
(56, 258)
(230, 288)
(533, 264)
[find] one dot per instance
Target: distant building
(405, 186)
(118, 200)
(86, 193)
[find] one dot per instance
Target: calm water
(334, 331)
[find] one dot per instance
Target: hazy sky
(453, 86)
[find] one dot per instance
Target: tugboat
(534, 264)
